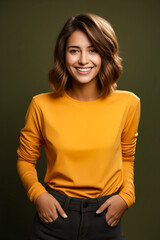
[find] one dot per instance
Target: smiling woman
(83, 63)
(89, 130)
(102, 41)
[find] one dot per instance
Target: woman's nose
(83, 59)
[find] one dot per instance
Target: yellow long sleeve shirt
(90, 146)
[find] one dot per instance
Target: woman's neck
(83, 95)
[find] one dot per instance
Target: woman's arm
(119, 203)
(29, 151)
(128, 145)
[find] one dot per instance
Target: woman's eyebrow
(73, 47)
(91, 46)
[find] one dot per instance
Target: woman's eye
(73, 51)
(93, 50)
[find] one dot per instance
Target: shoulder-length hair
(103, 38)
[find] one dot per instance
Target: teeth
(84, 69)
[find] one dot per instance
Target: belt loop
(66, 204)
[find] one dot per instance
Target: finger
(113, 223)
(52, 217)
(110, 216)
(49, 216)
(111, 219)
(46, 220)
(103, 206)
(49, 219)
(42, 217)
(60, 210)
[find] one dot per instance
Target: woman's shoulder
(42, 100)
(43, 97)
(127, 95)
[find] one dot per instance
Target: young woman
(89, 131)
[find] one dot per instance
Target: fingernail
(64, 215)
(97, 212)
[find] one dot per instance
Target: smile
(83, 70)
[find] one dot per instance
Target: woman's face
(82, 60)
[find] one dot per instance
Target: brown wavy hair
(103, 38)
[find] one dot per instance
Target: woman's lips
(83, 71)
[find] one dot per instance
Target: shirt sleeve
(29, 151)
(128, 145)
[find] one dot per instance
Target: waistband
(77, 204)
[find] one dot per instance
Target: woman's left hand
(116, 208)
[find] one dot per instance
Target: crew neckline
(86, 102)
(81, 102)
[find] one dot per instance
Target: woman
(89, 131)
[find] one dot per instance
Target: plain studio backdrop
(29, 29)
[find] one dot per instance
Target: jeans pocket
(52, 222)
(105, 220)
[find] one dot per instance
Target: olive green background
(28, 32)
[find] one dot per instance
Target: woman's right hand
(47, 207)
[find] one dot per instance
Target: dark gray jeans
(82, 223)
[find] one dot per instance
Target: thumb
(60, 210)
(105, 205)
